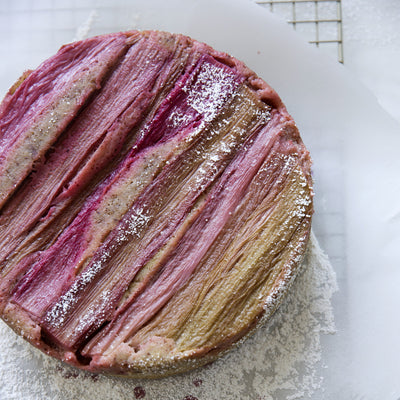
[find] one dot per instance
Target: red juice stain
(71, 374)
(139, 392)
(197, 382)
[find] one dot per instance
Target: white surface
(372, 47)
(353, 141)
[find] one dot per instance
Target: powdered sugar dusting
(280, 361)
(91, 317)
(214, 85)
(56, 316)
(83, 30)
(178, 118)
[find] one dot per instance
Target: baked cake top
(155, 203)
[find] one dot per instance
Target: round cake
(155, 203)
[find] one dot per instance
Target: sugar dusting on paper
(83, 30)
(280, 361)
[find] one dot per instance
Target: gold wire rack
(319, 20)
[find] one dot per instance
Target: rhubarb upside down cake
(155, 203)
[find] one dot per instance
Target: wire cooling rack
(320, 21)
